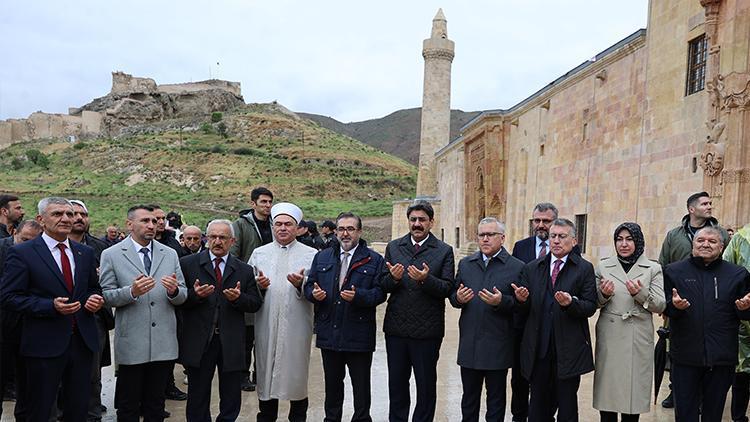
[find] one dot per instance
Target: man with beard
(252, 230)
(52, 281)
(192, 240)
(343, 285)
(678, 245)
(221, 289)
(706, 299)
(284, 323)
(419, 276)
(13, 371)
(105, 321)
(11, 213)
(143, 280)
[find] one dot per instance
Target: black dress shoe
(166, 414)
(174, 393)
(668, 403)
(247, 385)
(104, 408)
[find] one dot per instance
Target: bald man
(192, 240)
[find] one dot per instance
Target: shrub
(221, 128)
(216, 116)
(207, 128)
(37, 157)
(217, 149)
(79, 145)
(16, 163)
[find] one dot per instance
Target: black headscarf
(635, 231)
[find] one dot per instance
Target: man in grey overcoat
(142, 280)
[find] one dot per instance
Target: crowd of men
(263, 284)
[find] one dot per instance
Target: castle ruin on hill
(132, 101)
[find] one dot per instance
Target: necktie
(217, 271)
(66, 270)
(556, 271)
(146, 261)
(543, 250)
(344, 269)
(416, 248)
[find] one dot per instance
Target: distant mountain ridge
(397, 133)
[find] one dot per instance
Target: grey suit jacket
(145, 327)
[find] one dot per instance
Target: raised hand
(142, 285)
(202, 290)
(348, 295)
(296, 278)
(743, 303)
(493, 298)
(232, 293)
(262, 280)
(521, 293)
(464, 294)
(94, 303)
(679, 302)
(607, 287)
(634, 287)
(170, 283)
(318, 293)
(563, 298)
(63, 307)
(397, 271)
(418, 275)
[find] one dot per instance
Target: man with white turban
(284, 324)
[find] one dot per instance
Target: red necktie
(543, 250)
(66, 270)
(556, 271)
(416, 248)
(217, 271)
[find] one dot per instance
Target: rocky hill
(396, 133)
(205, 167)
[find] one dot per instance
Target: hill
(206, 170)
(397, 133)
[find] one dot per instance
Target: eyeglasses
(349, 229)
(561, 236)
(488, 235)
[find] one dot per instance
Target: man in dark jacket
(328, 234)
(556, 345)
(221, 289)
(13, 369)
(709, 297)
(484, 293)
(343, 285)
(418, 276)
(104, 318)
(11, 213)
(192, 240)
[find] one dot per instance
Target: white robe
(284, 324)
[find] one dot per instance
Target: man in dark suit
(419, 276)
(221, 288)
(343, 284)
(556, 345)
(527, 250)
(53, 282)
(12, 371)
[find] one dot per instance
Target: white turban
(79, 203)
(286, 208)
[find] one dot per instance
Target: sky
(351, 60)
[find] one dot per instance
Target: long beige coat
(625, 336)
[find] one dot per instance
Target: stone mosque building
(626, 136)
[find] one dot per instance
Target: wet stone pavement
(449, 388)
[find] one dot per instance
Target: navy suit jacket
(31, 280)
(525, 249)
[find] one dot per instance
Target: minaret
(438, 53)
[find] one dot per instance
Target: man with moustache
(283, 325)
(145, 329)
(221, 288)
(11, 213)
(556, 345)
(112, 236)
(343, 286)
(252, 229)
(192, 240)
(13, 371)
(105, 321)
(52, 281)
(484, 292)
(419, 276)
(706, 299)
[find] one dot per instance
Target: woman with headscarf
(630, 290)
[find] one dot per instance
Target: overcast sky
(351, 60)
